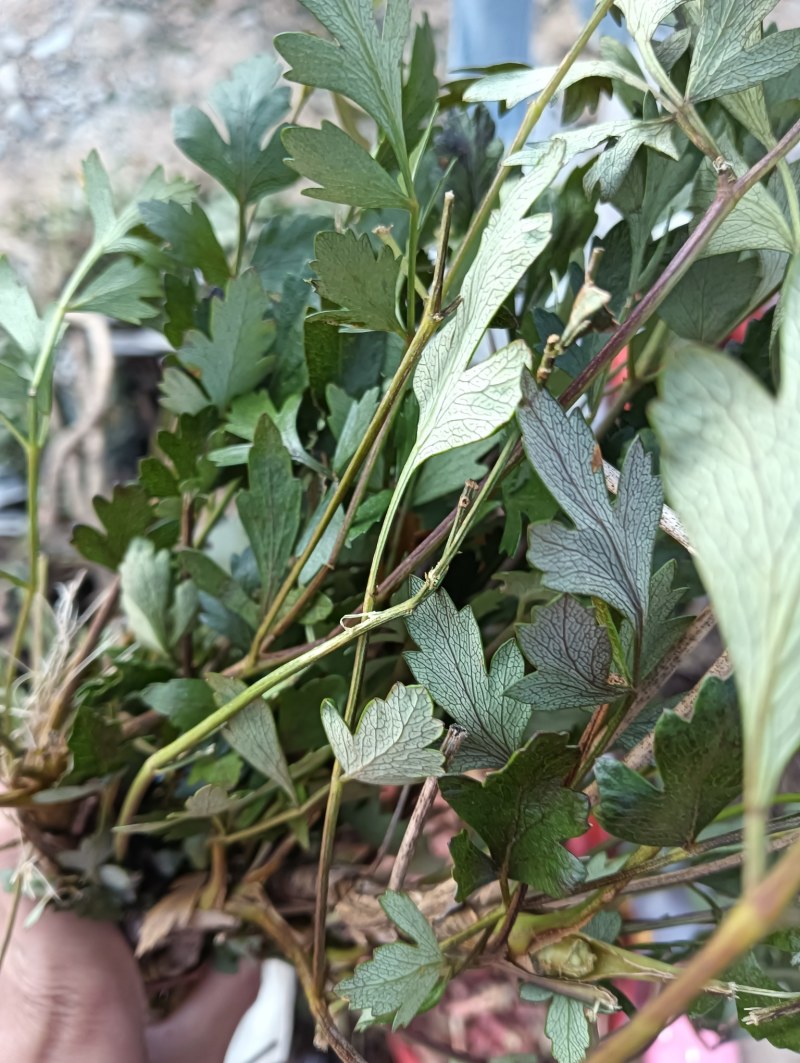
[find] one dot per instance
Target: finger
(204, 1024)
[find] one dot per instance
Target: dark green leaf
(209, 578)
(350, 276)
(285, 248)
(712, 297)
(756, 1011)
(248, 104)
(185, 702)
(231, 359)
(95, 744)
(186, 447)
(609, 553)
(662, 628)
(214, 770)
(472, 868)
(190, 236)
(421, 87)
(346, 172)
(700, 764)
(270, 509)
(449, 662)
(360, 62)
(396, 982)
(127, 515)
(524, 814)
(157, 479)
(572, 656)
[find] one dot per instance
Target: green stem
(729, 193)
(241, 242)
(185, 742)
(413, 238)
(743, 927)
(532, 115)
(287, 816)
(216, 512)
(792, 200)
(387, 403)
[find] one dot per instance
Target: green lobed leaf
(346, 172)
(209, 578)
(524, 813)
(270, 508)
(449, 662)
(230, 360)
(180, 394)
(349, 274)
(18, 316)
(700, 764)
(191, 237)
(399, 978)
(95, 744)
(458, 405)
(781, 1030)
(360, 62)
(185, 702)
(421, 88)
(389, 747)
(356, 421)
(146, 591)
(248, 104)
(120, 290)
(726, 59)
(609, 553)
(730, 466)
(472, 868)
(253, 734)
(710, 300)
(126, 516)
(513, 86)
(572, 656)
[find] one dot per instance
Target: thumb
(204, 1024)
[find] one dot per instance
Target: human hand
(70, 990)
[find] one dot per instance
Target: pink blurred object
(680, 1043)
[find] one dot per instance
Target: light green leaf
(730, 464)
(253, 734)
(458, 405)
(180, 393)
(322, 551)
(245, 413)
(445, 474)
(726, 59)
(514, 86)
(18, 316)
(389, 747)
(248, 104)
(476, 404)
(572, 656)
(700, 764)
(360, 62)
(449, 662)
(270, 509)
(399, 978)
(146, 591)
(662, 628)
(231, 360)
(190, 236)
(524, 813)
(365, 287)
(120, 290)
(643, 17)
(610, 551)
(345, 170)
(568, 1030)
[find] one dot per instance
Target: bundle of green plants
(388, 615)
